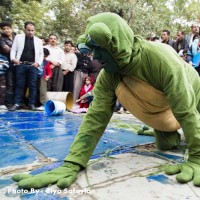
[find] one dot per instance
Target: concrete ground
(124, 165)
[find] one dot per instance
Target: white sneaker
(3, 107)
(121, 111)
(41, 108)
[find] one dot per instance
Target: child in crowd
(85, 97)
(183, 54)
(87, 87)
(45, 74)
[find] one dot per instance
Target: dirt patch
(146, 147)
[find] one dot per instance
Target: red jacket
(47, 70)
(85, 89)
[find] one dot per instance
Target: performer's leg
(167, 140)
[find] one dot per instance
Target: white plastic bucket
(52, 107)
(65, 97)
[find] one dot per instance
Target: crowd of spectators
(38, 65)
(186, 45)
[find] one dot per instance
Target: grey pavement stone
(106, 169)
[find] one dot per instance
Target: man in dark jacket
(181, 43)
(165, 36)
(6, 41)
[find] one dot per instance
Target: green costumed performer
(151, 81)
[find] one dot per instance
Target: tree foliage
(30, 11)
(5, 9)
(67, 18)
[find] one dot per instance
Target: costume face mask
(100, 54)
(105, 58)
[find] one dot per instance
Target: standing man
(27, 55)
(6, 41)
(194, 31)
(68, 66)
(55, 58)
(181, 43)
(80, 72)
(165, 36)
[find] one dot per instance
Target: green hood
(111, 32)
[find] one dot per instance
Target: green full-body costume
(151, 81)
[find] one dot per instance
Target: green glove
(145, 127)
(145, 131)
(64, 176)
(186, 172)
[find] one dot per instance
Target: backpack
(4, 65)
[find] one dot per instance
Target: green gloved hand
(145, 130)
(64, 176)
(186, 172)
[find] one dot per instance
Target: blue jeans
(10, 85)
(25, 73)
(90, 99)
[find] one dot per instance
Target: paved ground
(124, 165)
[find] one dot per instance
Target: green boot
(167, 140)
